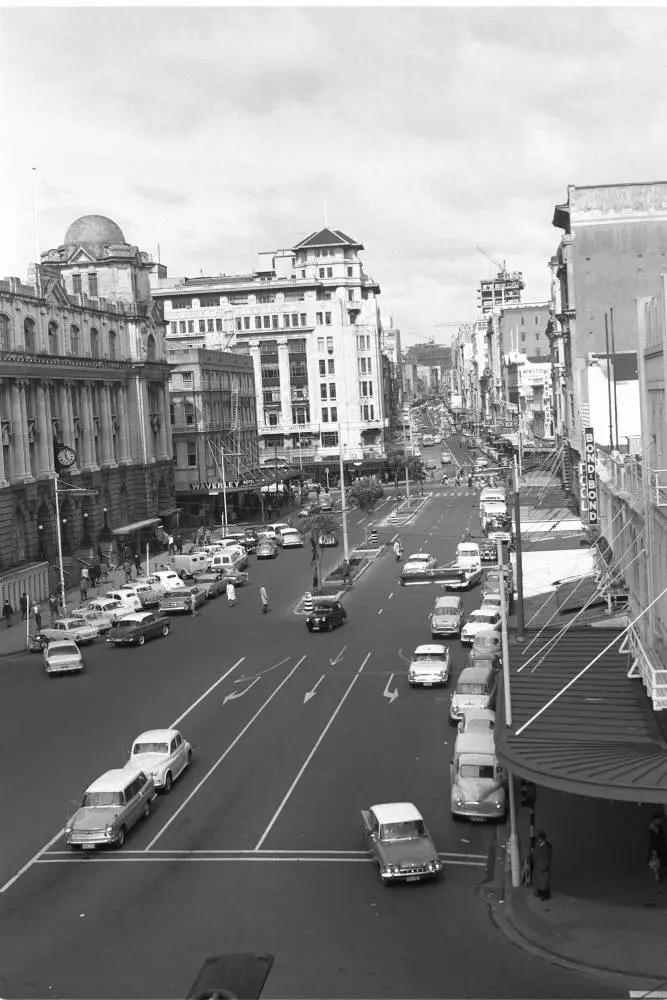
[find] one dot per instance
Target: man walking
(53, 607)
(542, 854)
(264, 598)
(231, 594)
(7, 612)
(24, 606)
(83, 584)
(37, 615)
(179, 544)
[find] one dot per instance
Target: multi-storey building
(392, 365)
(308, 317)
(214, 433)
(612, 251)
(82, 364)
(519, 329)
(529, 391)
(505, 289)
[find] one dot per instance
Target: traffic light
(527, 793)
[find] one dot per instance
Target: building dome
(94, 231)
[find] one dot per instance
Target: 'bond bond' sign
(591, 478)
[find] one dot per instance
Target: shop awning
(168, 512)
(600, 738)
(129, 529)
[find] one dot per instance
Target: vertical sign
(583, 493)
(591, 479)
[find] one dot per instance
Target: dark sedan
(213, 584)
(135, 628)
(327, 613)
(185, 599)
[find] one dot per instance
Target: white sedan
(93, 618)
(418, 563)
(68, 628)
(62, 657)
(477, 622)
(429, 665)
(162, 754)
(478, 720)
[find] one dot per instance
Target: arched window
(5, 344)
(53, 338)
(29, 335)
(18, 541)
(75, 340)
(94, 343)
(150, 348)
(113, 344)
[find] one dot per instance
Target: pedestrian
(398, 550)
(127, 569)
(231, 594)
(85, 575)
(542, 854)
(7, 612)
(171, 545)
(137, 563)
(24, 606)
(346, 570)
(37, 615)
(179, 544)
(264, 598)
(657, 846)
(315, 580)
(83, 588)
(53, 607)
(104, 568)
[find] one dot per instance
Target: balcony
(657, 487)
(624, 478)
(309, 428)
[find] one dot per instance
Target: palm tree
(316, 526)
(364, 494)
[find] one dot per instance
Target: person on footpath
(657, 846)
(37, 615)
(231, 594)
(7, 612)
(53, 607)
(264, 598)
(127, 569)
(542, 855)
(179, 544)
(24, 606)
(83, 585)
(315, 581)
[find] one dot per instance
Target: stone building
(82, 364)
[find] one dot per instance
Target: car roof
(435, 649)
(484, 611)
(156, 736)
(113, 781)
(480, 713)
(448, 602)
(138, 616)
(396, 812)
(483, 743)
(473, 674)
(59, 643)
(291, 530)
(419, 555)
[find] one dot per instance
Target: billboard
(456, 402)
(591, 477)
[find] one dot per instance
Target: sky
(423, 133)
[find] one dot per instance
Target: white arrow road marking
(380, 611)
(260, 673)
(311, 694)
(391, 695)
(402, 655)
(338, 657)
(233, 695)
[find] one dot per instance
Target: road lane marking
(380, 611)
(299, 851)
(311, 694)
(235, 695)
(390, 596)
(310, 756)
(267, 857)
(391, 695)
(337, 658)
(205, 694)
(60, 832)
(260, 673)
(223, 755)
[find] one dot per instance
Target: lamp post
(63, 600)
(343, 510)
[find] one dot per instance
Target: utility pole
(515, 859)
(519, 557)
(343, 509)
(611, 422)
(613, 351)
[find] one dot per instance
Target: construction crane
(502, 268)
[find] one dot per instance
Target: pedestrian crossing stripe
(649, 994)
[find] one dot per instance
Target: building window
(172, 414)
(350, 272)
(239, 324)
(246, 322)
(325, 415)
(53, 338)
(113, 344)
(538, 351)
(318, 318)
(187, 378)
(350, 294)
(181, 325)
(202, 326)
(537, 336)
(92, 286)
(192, 454)
(323, 390)
(329, 272)
(304, 319)
(303, 273)
(76, 284)
(150, 348)
(362, 365)
(537, 321)
(323, 366)
(334, 414)
(5, 341)
(274, 322)
(331, 367)
(258, 322)
(327, 319)
(332, 390)
(29, 335)
(189, 413)
(218, 325)
(320, 345)
(523, 321)
(74, 340)
(330, 440)
(182, 303)
(174, 329)
(321, 272)
(330, 345)
(207, 301)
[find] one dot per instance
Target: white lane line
(267, 858)
(240, 852)
(205, 694)
(395, 537)
(60, 832)
(223, 755)
(310, 756)
(390, 596)
(380, 611)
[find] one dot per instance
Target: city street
(259, 846)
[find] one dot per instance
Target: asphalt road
(259, 846)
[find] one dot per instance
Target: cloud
(160, 195)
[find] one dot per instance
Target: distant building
(392, 361)
(503, 290)
(308, 318)
(520, 329)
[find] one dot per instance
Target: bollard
(374, 537)
(307, 602)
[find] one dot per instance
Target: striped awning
(600, 738)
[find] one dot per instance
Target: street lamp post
(343, 510)
(63, 599)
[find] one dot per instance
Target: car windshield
(421, 657)
(126, 623)
(93, 799)
(69, 650)
(420, 557)
(482, 618)
(150, 748)
(407, 830)
(469, 687)
(476, 771)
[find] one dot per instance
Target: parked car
(186, 600)
(135, 628)
(62, 656)
(480, 620)
(230, 575)
(291, 538)
(128, 598)
(267, 549)
(93, 618)
(477, 781)
(148, 595)
(164, 581)
(487, 550)
(399, 843)
(278, 528)
(475, 688)
(478, 720)
(213, 584)
(445, 458)
(111, 609)
(162, 754)
(327, 613)
(487, 640)
(429, 665)
(189, 564)
(447, 616)
(68, 628)
(110, 808)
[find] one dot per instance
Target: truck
(462, 574)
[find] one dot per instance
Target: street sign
(591, 476)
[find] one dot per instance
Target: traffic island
(334, 583)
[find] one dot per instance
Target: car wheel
(168, 781)
(141, 640)
(147, 809)
(165, 630)
(453, 722)
(182, 574)
(120, 839)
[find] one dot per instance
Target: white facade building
(309, 319)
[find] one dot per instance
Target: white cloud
(218, 132)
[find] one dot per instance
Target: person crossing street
(398, 550)
(264, 598)
(231, 594)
